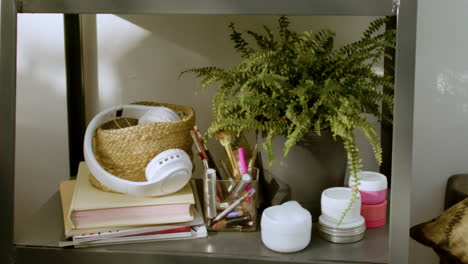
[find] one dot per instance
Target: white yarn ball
(159, 114)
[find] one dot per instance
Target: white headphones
(166, 173)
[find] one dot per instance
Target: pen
(200, 149)
(233, 205)
(195, 128)
(203, 149)
(225, 169)
(197, 144)
(228, 175)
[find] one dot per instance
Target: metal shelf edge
(246, 7)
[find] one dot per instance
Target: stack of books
(94, 217)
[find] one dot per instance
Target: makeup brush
(225, 138)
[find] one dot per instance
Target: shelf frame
(8, 127)
(238, 7)
(404, 87)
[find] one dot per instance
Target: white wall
(440, 141)
(139, 57)
(41, 121)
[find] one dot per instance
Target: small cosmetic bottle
(209, 193)
(373, 189)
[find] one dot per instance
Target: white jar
(286, 228)
(335, 201)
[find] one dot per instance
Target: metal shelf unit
(200, 251)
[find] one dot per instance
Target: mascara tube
(209, 193)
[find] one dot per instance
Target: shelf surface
(45, 228)
(286, 7)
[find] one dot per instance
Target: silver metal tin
(342, 235)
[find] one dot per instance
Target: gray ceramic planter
(316, 163)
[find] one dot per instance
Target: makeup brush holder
(242, 217)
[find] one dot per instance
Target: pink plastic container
(373, 187)
(375, 224)
(374, 214)
(373, 197)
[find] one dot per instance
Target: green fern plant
(293, 83)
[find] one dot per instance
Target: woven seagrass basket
(124, 148)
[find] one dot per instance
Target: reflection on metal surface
(209, 248)
(396, 6)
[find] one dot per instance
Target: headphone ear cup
(171, 168)
(175, 181)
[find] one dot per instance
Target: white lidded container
(286, 228)
(344, 233)
(335, 201)
(372, 186)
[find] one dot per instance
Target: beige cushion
(446, 234)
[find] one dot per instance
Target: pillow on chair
(446, 234)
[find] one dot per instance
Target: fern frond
(240, 44)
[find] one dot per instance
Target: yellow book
(94, 208)
(66, 194)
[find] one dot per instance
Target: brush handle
(232, 161)
(233, 205)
